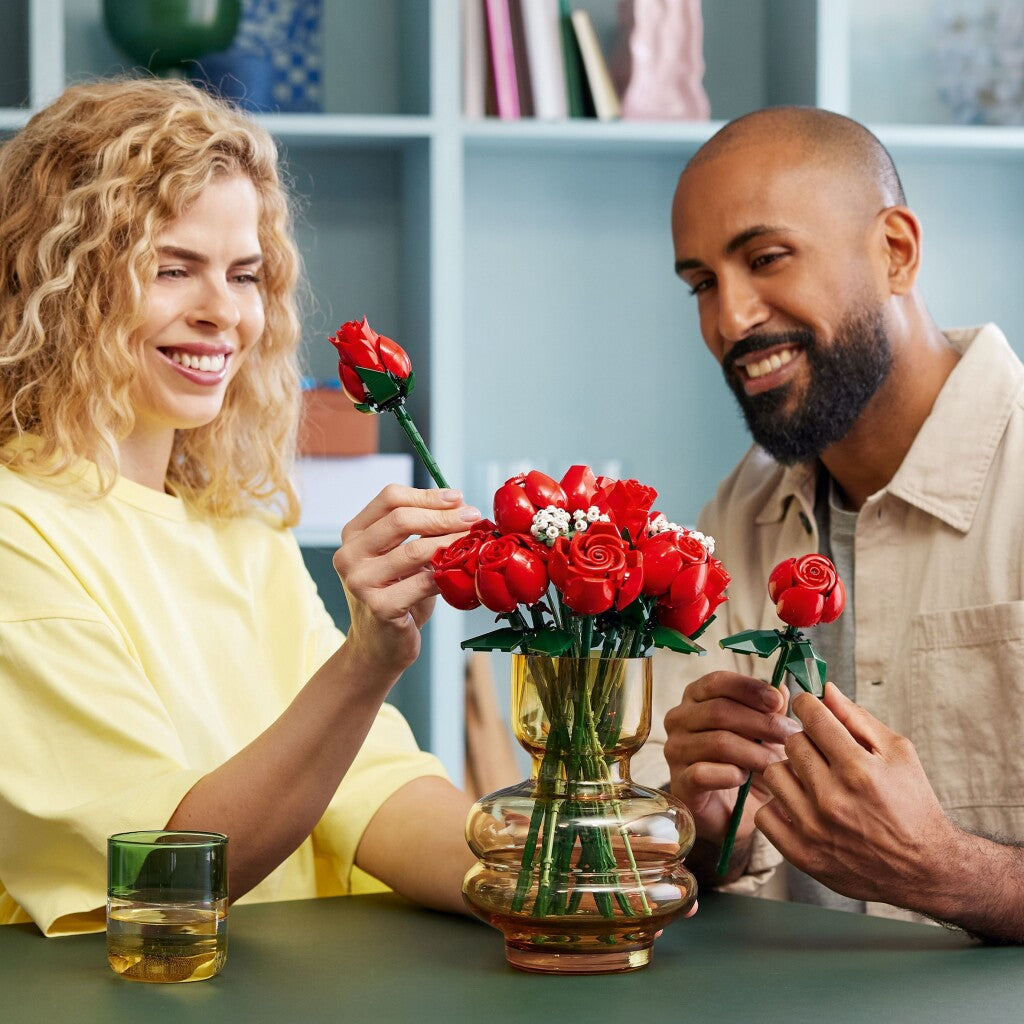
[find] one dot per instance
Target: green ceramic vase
(164, 35)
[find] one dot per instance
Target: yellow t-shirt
(140, 647)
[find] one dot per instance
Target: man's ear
(900, 236)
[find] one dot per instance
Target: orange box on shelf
(331, 425)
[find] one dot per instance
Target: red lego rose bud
(519, 499)
(360, 347)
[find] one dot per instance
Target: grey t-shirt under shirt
(834, 642)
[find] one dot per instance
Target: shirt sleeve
(387, 760)
(88, 751)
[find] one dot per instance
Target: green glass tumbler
(167, 905)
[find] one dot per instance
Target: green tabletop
(377, 958)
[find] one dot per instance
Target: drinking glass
(167, 905)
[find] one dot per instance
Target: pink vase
(658, 66)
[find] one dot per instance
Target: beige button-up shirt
(939, 595)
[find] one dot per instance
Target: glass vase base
(551, 961)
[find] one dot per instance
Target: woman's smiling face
(205, 309)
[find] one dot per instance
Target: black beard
(844, 375)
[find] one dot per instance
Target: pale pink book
(499, 31)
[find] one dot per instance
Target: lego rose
(806, 591)
(360, 347)
(629, 503)
(519, 499)
(510, 571)
(455, 567)
(596, 570)
(688, 616)
(376, 374)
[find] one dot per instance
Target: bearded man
(896, 450)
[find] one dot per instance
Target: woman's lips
(207, 368)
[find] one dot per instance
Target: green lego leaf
(552, 642)
(497, 640)
(804, 665)
(760, 642)
(382, 386)
(673, 640)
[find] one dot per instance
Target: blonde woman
(164, 657)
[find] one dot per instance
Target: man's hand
(725, 726)
(384, 566)
(853, 808)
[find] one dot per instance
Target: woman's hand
(384, 565)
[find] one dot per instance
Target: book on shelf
(545, 59)
(499, 34)
(534, 58)
(581, 99)
(520, 56)
(475, 70)
(574, 83)
(602, 91)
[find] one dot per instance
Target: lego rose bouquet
(587, 577)
(584, 577)
(582, 563)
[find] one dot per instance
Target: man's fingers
(754, 693)
(867, 730)
(751, 723)
(823, 728)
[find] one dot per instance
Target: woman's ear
(900, 235)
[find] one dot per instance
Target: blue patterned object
(276, 59)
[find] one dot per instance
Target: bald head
(837, 144)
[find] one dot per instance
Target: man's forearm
(983, 891)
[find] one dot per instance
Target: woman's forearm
(268, 797)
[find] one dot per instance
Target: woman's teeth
(208, 364)
(769, 363)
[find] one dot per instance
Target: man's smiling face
(776, 247)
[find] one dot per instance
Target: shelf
(335, 130)
(586, 134)
(969, 141)
(335, 490)
(13, 118)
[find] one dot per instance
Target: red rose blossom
(361, 347)
(510, 571)
(674, 561)
(580, 487)
(806, 590)
(518, 500)
(687, 615)
(629, 504)
(595, 570)
(455, 567)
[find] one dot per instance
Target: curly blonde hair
(88, 184)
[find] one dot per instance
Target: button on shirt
(939, 617)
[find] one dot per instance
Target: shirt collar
(796, 482)
(945, 470)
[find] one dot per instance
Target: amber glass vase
(578, 867)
